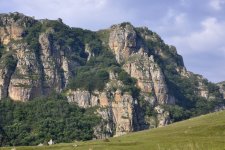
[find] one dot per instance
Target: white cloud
(217, 4)
(180, 19)
(79, 13)
(184, 2)
(204, 50)
(53, 8)
(210, 38)
(174, 22)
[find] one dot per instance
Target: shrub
(9, 61)
(42, 119)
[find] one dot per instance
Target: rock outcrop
(116, 110)
(35, 67)
(122, 41)
(130, 51)
(5, 77)
(36, 71)
(23, 84)
(13, 26)
(133, 54)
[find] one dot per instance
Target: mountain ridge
(134, 78)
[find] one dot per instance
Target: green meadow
(206, 132)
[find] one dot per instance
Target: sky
(195, 27)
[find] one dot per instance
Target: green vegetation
(185, 89)
(89, 79)
(94, 74)
(15, 16)
(90, 75)
(190, 104)
(31, 36)
(128, 82)
(200, 133)
(43, 119)
(104, 36)
(8, 61)
(54, 118)
(1, 50)
(59, 35)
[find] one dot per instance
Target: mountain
(129, 75)
(199, 133)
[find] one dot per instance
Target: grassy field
(201, 133)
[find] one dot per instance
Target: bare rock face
(149, 77)
(56, 66)
(122, 111)
(116, 110)
(19, 61)
(31, 72)
(13, 26)
(162, 116)
(88, 51)
(133, 54)
(23, 84)
(129, 50)
(83, 98)
(203, 90)
(122, 41)
(5, 77)
(114, 107)
(12, 32)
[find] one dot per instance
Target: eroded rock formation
(27, 72)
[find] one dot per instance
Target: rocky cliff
(35, 71)
(222, 88)
(42, 56)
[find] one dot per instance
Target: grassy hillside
(201, 133)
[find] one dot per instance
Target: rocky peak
(19, 18)
(51, 55)
(147, 34)
(130, 50)
(42, 64)
(122, 41)
(13, 25)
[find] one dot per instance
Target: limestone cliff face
(5, 78)
(56, 67)
(125, 111)
(16, 78)
(130, 51)
(36, 72)
(122, 41)
(33, 69)
(133, 54)
(116, 110)
(13, 26)
(22, 84)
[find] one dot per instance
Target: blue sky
(195, 27)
